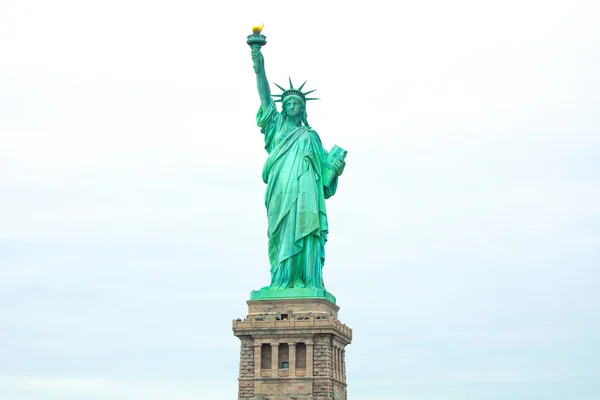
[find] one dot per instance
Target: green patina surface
(292, 293)
(300, 174)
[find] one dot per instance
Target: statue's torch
(256, 41)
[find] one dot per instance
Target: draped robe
(295, 201)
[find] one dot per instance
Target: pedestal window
(284, 356)
(265, 358)
(300, 356)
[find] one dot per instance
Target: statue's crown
(294, 92)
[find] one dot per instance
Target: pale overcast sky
(464, 242)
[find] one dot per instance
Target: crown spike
(293, 92)
(312, 98)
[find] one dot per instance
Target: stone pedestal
(292, 349)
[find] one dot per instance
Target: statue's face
(293, 107)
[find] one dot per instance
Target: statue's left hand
(339, 166)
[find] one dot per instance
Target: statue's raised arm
(262, 83)
(256, 41)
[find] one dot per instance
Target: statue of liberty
(300, 174)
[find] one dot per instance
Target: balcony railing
(293, 323)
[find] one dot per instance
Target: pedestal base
(292, 349)
(294, 293)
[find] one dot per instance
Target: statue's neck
(294, 121)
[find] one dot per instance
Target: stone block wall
(323, 367)
(246, 386)
(339, 391)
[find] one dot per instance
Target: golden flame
(257, 28)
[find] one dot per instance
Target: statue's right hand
(258, 60)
